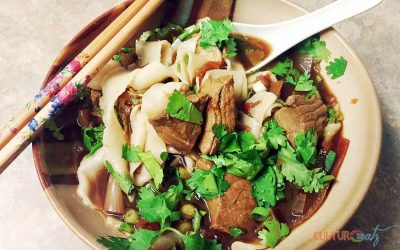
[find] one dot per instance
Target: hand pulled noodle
(152, 73)
(155, 51)
(91, 175)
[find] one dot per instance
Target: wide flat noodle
(146, 138)
(152, 73)
(262, 105)
(92, 176)
(158, 51)
(114, 136)
(155, 99)
(188, 63)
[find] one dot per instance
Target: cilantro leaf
(292, 169)
(93, 138)
(331, 115)
(264, 189)
(141, 239)
(54, 129)
(273, 136)
(159, 208)
(318, 180)
(315, 47)
(329, 161)
(208, 184)
(216, 33)
(169, 32)
(303, 83)
(181, 108)
(235, 232)
(123, 180)
(151, 164)
(274, 233)
(234, 141)
(114, 243)
(337, 67)
(195, 241)
(283, 68)
(306, 149)
(297, 173)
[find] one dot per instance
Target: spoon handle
(305, 26)
(285, 35)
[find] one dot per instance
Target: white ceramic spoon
(284, 35)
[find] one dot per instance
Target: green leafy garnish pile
(181, 108)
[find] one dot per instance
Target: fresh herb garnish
(315, 47)
(337, 67)
(151, 164)
(264, 189)
(93, 138)
(331, 115)
(302, 82)
(125, 227)
(235, 232)
(158, 208)
(181, 108)
(169, 32)
(297, 173)
(283, 68)
(216, 33)
(51, 125)
(273, 136)
(261, 213)
(124, 180)
(330, 161)
(141, 239)
(306, 149)
(208, 184)
(117, 58)
(274, 233)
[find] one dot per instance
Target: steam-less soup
(186, 151)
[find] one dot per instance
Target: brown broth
(251, 50)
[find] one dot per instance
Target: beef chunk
(233, 209)
(179, 134)
(204, 164)
(301, 114)
(220, 110)
(124, 106)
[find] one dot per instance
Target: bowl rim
(337, 224)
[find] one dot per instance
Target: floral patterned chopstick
(16, 144)
(62, 78)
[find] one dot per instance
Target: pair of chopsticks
(63, 88)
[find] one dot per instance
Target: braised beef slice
(220, 110)
(179, 134)
(301, 114)
(204, 164)
(234, 208)
(124, 107)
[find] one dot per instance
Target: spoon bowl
(284, 35)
